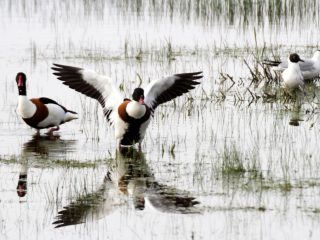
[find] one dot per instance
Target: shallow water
(214, 164)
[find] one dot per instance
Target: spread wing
(92, 85)
(168, 88)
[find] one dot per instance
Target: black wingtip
(72, 112)
(59, 67)
(56, 73)
(190, 74)
(270, 62)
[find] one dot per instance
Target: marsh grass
(44, 162)
(232, 162)
(10, 159)
(239, 13)
(263, 84)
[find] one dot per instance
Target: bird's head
(21, 80)
(295, 58)
(138, 95)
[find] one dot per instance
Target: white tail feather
(70, 116)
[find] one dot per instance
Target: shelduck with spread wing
(130, 118)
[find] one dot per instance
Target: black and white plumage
(310, 68)
(43, 112)
(130, 118)
(292, 76)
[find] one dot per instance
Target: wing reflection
(88, 207)
(140, 184)
(128, 181)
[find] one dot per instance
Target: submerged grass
(232, 162)
(50, 162)
(75, 164)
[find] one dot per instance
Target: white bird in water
(292, 76)
(310, 68)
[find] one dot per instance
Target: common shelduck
(130, 118)
(310, 68)
(41, 113)
(292, 76)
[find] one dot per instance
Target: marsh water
(236, 158)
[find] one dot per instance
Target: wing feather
(91, 84)
(168, 88)
(307, 65)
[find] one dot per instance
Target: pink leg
(51, 130)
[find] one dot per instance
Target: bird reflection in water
(22, 182)
(295, 119)
(128, 181)
(52, 146)
(296, 115)
(41, 147)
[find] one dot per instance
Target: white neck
(136, 110)
(26, 108)
(294, 66)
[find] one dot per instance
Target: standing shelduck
(41, 113)
(130, 118)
